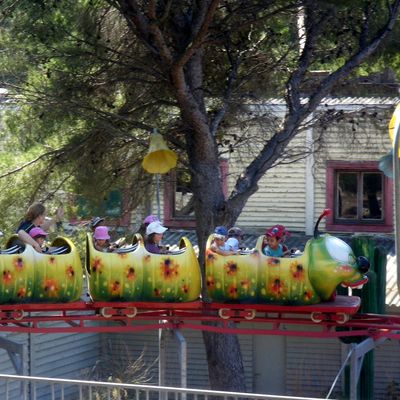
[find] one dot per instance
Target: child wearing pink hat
(101, 239)
(39, 236)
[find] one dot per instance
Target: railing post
(161, 360)
(396, 181)
(182, 359)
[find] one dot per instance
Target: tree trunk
(225, 365)
(224, 358)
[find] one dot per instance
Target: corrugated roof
(340, 101)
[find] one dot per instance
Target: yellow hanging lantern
(394, 124)
(160, 159)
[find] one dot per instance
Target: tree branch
(200, 30)
(35, 160)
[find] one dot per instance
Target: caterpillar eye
(339, 250)
(363, 264)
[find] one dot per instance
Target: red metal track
(336, 319)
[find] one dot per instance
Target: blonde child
(218, 245)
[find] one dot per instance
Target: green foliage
(62, 57)
(85, 91)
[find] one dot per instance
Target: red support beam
(88, 317)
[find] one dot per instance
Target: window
(360, 197)
(178, 197)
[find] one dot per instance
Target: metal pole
(158, 196)
(358, 351)
(161, 360)
(182, 359)
(396, 181)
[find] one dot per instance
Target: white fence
(17, 387)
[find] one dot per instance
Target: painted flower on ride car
(245, 284)
(7, 277)
(169, 269)
(210, 281)
(50, 287)
(18, 263)
(277, 287)
(233, 291)
(70, 272)
(297, 271)
(97, 265)
(115, 288)
(130, 273)
(231, 268)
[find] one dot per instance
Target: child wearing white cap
(154, 234)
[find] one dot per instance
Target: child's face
(40, 219)
(101, 242)
(158, 237)
(273, 242)
(40, 240)
(220, 241)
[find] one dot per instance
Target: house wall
(292, 194)
(363, 138)
(51, 355)
(281, 197)
(132, 346)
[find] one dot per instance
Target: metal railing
(17, 387)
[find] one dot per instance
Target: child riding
(274, 238)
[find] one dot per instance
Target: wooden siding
(387, 370)
(311, 366)
(280, 197)
(6, 366)
(52, 355)
(63, 355)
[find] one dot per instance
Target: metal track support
(358, 351)
(162, 360)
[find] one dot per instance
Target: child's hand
(37, 247)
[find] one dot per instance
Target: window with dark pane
(359, 196)
(183, 195)
(346, 195)
(372, 196)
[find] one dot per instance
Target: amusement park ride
(134, 290)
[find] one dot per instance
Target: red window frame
(170, 220)
(386, 226)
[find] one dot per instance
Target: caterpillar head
(332, 262)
